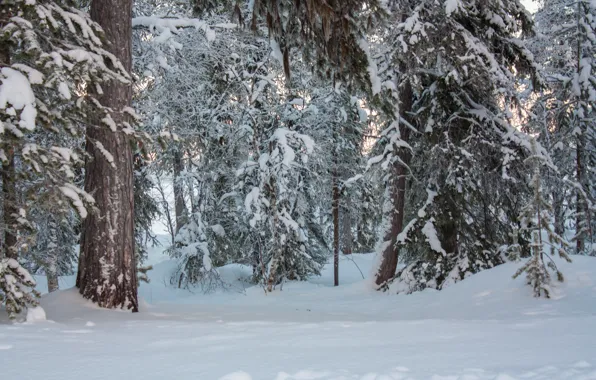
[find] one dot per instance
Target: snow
(372, 69)
(451, 6)
(276, 51)
(64, 91)
(430, 233)
(73, 193)
(16, 93)
(167, 27)
(35, 314)
(486, 327)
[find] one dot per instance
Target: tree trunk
(11, 209)
(335, 210)
(52, 274)
(558, 211)
(107, 269)
(397, 194)
(347, 227)
(277, 247)
(179, 205)
(580, 207)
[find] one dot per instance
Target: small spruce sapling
(537, 217)
(17, 287)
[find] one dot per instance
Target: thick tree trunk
(179, 205)
(397, 194)
(107, 268)
(335, 210)
(9, 192)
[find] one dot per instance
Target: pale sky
(532, 5)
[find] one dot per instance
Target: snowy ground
(487, 327)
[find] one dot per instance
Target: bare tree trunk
(11, 209)
(52, 274)
(347, 227)
(169, 223)
(580, 206)
(277, 247)
(107, 267)
(397, 194)
(180, 206)
(558, 212)
(335, 210)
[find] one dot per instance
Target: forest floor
(486, 327)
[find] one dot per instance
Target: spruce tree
(452, 75)
(537, 218)
(55, 55)
(107, 272)
(565, 47)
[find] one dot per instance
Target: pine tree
(565, 47)
(463, 123)
(107, 266)
(17, 287)
(327, 33)
(53, 251)
(53, 54)
(537, 217)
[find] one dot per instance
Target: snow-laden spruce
(451, 69)
(54, 62)
(536, 218)
(563, 112)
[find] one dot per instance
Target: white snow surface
(35, 314)
(487, 327)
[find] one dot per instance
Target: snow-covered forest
(406, 188)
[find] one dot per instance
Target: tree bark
(52, 274)
(179, 206)
(580, 207)
(335, 210)
(397, 193)
(107, 269)
(558, 211)
(9, 192)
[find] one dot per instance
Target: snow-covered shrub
(277, 210)
(17, 287)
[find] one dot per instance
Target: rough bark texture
(558, 211)
(107, 268)
(52, 275)
(335, 211)
(277, 249)
(579, 200)
(10, 206)
(397, 185)
(180, 207)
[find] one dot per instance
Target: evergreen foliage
(537, 218)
